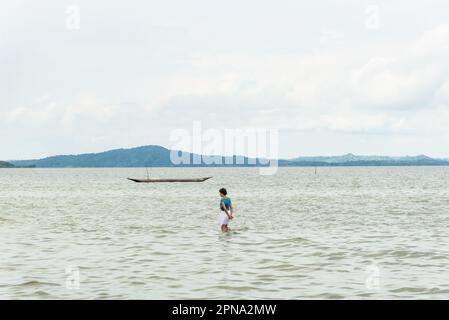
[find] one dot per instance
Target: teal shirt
(227, 203)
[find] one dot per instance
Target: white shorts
(223, 218)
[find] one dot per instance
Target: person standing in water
(226, 210)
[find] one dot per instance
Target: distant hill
(157, 156)
(340, 159)
(146, 156)
(353, 160)
(4, 164)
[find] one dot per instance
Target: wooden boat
(153, 180)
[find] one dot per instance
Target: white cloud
(132, 80)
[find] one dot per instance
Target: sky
(332, 77)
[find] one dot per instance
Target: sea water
(342, 233)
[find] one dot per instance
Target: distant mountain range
(157, 156)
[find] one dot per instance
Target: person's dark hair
(223, 191)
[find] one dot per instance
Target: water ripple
(296, 235)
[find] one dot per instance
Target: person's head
(223, 192)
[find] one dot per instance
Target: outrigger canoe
(152, 180)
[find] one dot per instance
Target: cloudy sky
(366, 77)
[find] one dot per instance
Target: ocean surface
(342, 233)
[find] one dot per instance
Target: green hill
(157, 156)
(4, 164)
(146, 156)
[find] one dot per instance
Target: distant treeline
(4, 164)
(363, 163)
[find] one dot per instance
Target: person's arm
(226, 211)
(232, 211)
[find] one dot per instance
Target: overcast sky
(366, 77)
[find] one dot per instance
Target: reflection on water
(343, 233)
